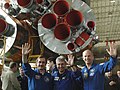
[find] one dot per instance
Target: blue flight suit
(94, 77)
(68, 80)
(37, 81)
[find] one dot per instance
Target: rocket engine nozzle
(39, 1)
(3, 25)
(74, 18)
(49, 20)
(24, 3)
(71, 46)
(62, 31)
(6, 5)
(91, 24)
(70, 28)
(12, 10)
(61, 7)
(5, 28)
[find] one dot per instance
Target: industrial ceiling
(107, 14)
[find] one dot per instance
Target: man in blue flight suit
(93, 74)
(38, 79)
(65, 79)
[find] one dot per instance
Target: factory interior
(34, 22)
(58, 27)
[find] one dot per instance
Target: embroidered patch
(56, 78)
(63, 78)
(37, 76)
(85, 70)
(46, 79)
(92, 72)
(85, 75)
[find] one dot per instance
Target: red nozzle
(3, 25)
(91, 24)
(6, 5)
(62, 31)
(39, 1)
(71, 46)
(49, 20)
(74, 18)
(61, 7)
(24, 3)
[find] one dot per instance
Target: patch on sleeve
(101, 63)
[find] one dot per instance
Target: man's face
(21, 71)
(118, 73)
(88, 57)
(41, 63)
(15, 68)
(61, 66)
(50, 63)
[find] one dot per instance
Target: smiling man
(38, 79)
(64, 79)
(93, 74)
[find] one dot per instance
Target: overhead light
(112, 1)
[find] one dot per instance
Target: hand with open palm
(25, 51)
(112, 51)
(70, 59)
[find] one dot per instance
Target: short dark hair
(41, 57)
(12, 65)
(51, 59)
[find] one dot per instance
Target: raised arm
(25, 51)
(112, 51)
(70, 59)
(71, 63)
(110, 64)
(25, 65)
(76, 74)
